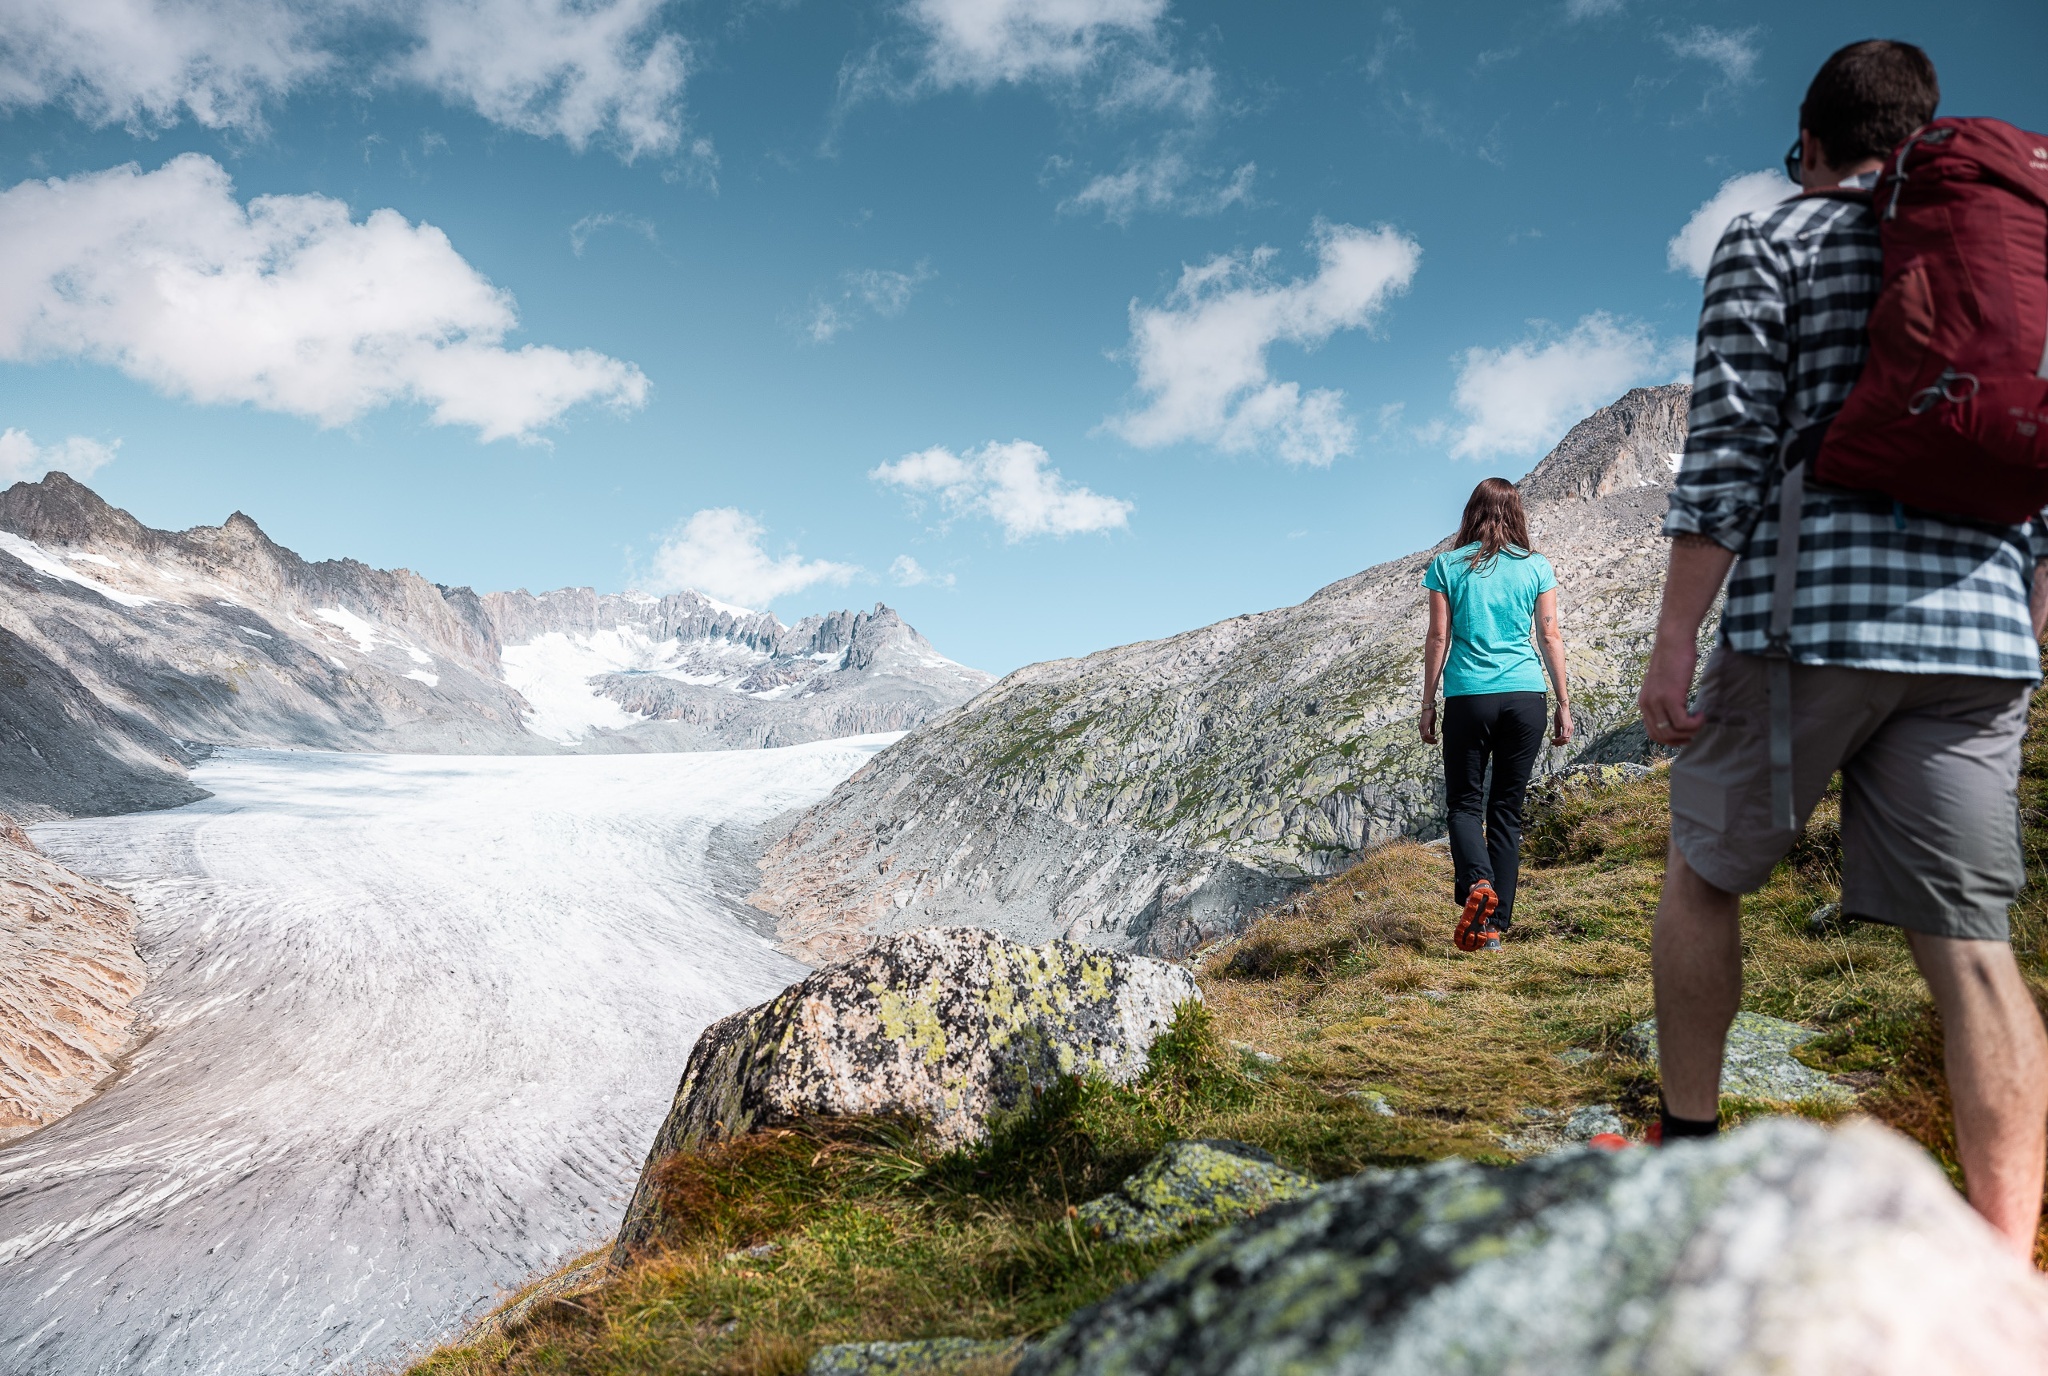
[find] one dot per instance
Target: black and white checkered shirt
(1880, 587)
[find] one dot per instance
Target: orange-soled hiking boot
(1474, 922)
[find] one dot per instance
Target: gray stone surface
(1150, 797)
(1191, 1185)
(1758, 1062)
(1783, 1247)
(950, 1026)
(920, 1357)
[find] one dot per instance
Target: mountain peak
(1634, 442)
(60, 510)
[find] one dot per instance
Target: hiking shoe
(1492, 942)
(1473, 923)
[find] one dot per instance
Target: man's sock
(1674, 1127)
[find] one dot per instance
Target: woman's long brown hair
(1494, 520)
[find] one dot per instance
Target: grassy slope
(1354, 988)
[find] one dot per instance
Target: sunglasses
(1795, 161)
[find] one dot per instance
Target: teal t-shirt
(1493, 619)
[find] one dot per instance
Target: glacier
(412, 1022)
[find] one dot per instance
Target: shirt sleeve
(1433, 578)
(1546, 576)
(1738, 386)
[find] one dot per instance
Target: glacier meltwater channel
(412, 1024)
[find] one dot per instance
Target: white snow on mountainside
(128, 652)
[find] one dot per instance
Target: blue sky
(1054, 323)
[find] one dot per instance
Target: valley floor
(411, 1022)
(1342, 1005)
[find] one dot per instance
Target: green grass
(1355, 988)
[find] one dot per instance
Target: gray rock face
(1191, 1185)
(1758, 1062)
(1148, 797)
(69, 976)
(948, 1026)
(919, 1357)
(1783, 1247)
(125, 650)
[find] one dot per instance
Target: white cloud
(1166, 181)
(1732, 51)
(581, 232)
(878, 292)
(986, 42)
(286, 304)
(155, 61)
(1521, 399)
(23, 460)
(1012, 485)
(1590, 9)
(1692, 248)
(718, 552)
(1201, 357)
(906, 572)
(577, 70)
(567, 69)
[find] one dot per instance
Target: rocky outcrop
(1782, 1247)
(1149, 797)
(69, 976)
(1191, 1185)
(1758, 1062)
(950, 1027)
(124, 651)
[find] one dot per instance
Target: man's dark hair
(1867, 98)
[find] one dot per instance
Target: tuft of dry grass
(1355, 988)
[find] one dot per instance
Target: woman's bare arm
(1550, 641)
(1436, 648)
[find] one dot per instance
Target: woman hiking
(1492, 602)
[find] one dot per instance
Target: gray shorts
(1930, 774)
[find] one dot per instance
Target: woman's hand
(1428, 723)
(1561, 725)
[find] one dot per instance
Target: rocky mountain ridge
(127, 651)
(1150, 796)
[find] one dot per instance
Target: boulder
(921, 1357)
(1758, 1063)
(1191, 1185)
(1783, 1247)
(950, 1026)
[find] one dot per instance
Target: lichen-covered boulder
(1758, 1062)
(1784, 1247)
(950, 1026)
(919, 1357)
(1191, 1185)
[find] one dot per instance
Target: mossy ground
(1355, 988)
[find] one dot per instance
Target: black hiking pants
(1504, 730)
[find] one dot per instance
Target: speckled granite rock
(69, 975)
(924, 1357)
(1784, 1247)
(1758, 1063)
(949, 1026)
(1190, 1185)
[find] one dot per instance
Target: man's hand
(1667, 689)
(2037, 598)
(1698, 568)
(1561, 725)
(1428, 723)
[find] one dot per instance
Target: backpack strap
(1784, 592)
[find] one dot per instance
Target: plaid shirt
(1880, 586)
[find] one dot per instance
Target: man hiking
(1910, 651)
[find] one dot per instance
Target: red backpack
(1950, 413)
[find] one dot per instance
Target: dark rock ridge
(1152, 795)
(125, 652)
(950, 1027)
(1783, 1247)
